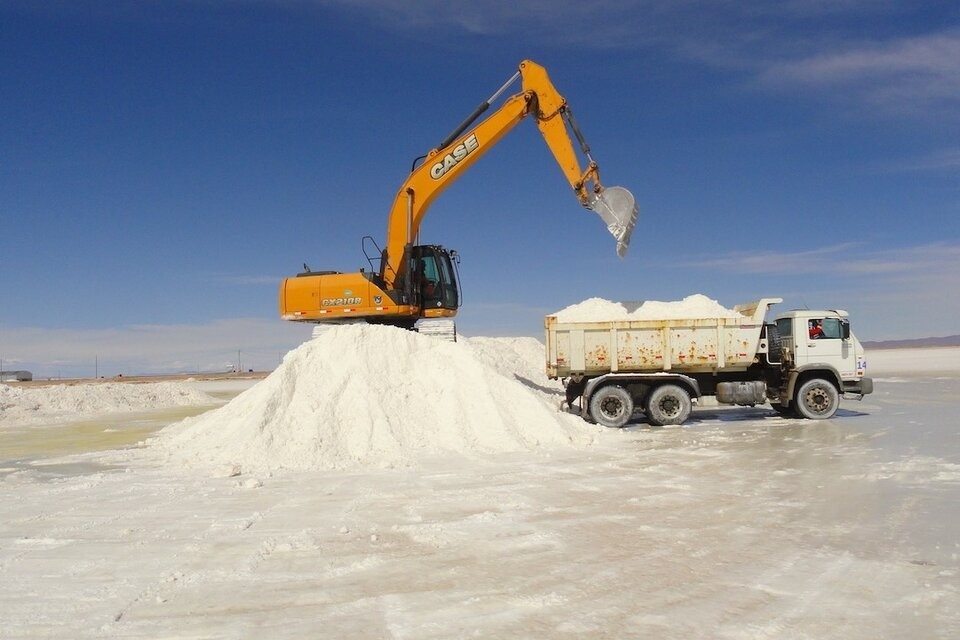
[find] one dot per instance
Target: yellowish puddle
(84, 436)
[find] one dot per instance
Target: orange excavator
(415, 285)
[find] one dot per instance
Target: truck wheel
(817, 399)
(668, 404)
(611, 406)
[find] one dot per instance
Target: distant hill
(917, 343)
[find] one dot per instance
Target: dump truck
(802, 363)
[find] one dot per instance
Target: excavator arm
(444, 164)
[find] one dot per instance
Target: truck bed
(679, 345)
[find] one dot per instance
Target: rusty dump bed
(681, 345)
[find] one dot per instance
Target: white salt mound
(696, 306)
(26, 405)
(523, 359)
(375, 396)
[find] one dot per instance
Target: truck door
(822, 341)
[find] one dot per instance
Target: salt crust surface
(375, 396)
(24, 405)
(696, 306)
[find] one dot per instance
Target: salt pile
(520, 358)
(19, 405)
(375, 396)
(600, 310)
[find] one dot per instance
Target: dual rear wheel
(613, 406)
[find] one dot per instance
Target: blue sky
(163, 165)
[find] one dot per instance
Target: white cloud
(766, 262)
(940, 160)
(905, 76)
(905, 292)
(492, 17)
(843, 50)
(931, 56)
(850, 259)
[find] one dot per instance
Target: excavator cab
(435, 287)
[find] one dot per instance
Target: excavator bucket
(618, 209)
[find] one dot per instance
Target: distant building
(15, 376)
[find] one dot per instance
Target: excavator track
(442, 328)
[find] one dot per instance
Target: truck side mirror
(845, 329)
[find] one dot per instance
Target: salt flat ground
(740, 524)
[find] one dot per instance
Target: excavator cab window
(434, 279)
(430, 289)
(448, 277)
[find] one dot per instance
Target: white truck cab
(820, 343)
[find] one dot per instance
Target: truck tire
(817, 399)
(774, 345)
(611, 406)
(668, 404)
